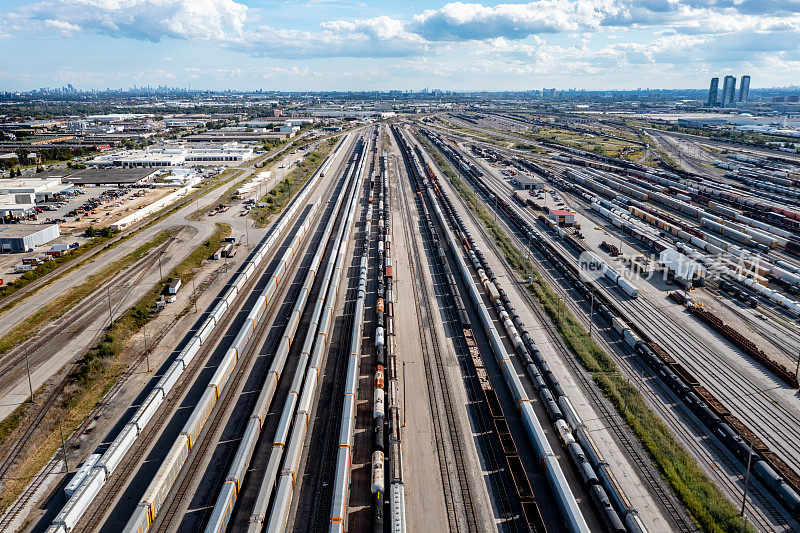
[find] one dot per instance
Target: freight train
(88, 490)
(780, 480)
(610, 501)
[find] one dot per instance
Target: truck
(228, 251)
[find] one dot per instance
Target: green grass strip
(56, 308)
(701, 497)
(278, 197)
(94, 375)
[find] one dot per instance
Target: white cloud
(377, 37)
(544, 37)
(139, 19)
(458, 21)
(62, 27)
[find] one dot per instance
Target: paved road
(195, 232)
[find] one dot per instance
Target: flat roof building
(37, 189)
(18, 238)
(169, 155)
(111, 176)
(12, 205)
(523, 181)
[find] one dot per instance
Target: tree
(22, 154)
(9, 162)
(39, 169)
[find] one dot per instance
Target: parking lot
(75, 211)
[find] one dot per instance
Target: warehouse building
(18, 238)
(13, 206)
(31, 190)
(682, 267)
(170, 155)
(115, 177)
(562, 217)
(218, 153)
(139, 158)
(523, 181)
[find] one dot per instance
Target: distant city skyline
(348, 45)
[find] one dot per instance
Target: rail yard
(464, 320)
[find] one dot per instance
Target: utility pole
(591, 311)
(194, 294)
(160, 272)
(146, 354)
(404, 394)
(628, 393)
(28, 367)
(63, 447)
(110, 315)
(528, 253)
(797, 368)
(747, 482)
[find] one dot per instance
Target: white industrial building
(683, 267)
(13, 206)
(36, 189)
(220, 153)
(17, 238)
(526, 182)
(139, 158)
(170, 155)
(289, 129)
(18, 196)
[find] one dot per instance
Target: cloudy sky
(345, 45)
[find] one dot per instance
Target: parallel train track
(108, 494)
(765, 502)
(50, 468)
(461, 513)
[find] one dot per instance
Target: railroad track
(737, 386)
(194, 471)
(30, 492)
(108, 494)
(77, 317)
(331, 393)
(167, 514)
(456, 490)
(495, 461)
(320, 453)
(685, 425)
(166, 517)
(613, 422)
(771, 514)
(738, 389)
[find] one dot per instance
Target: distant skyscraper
(728, 91)
(744, 89)
(712, 92)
